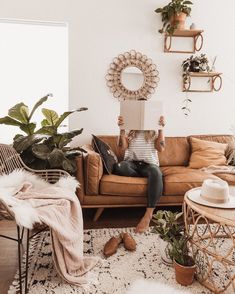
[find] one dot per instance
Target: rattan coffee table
(212, 232)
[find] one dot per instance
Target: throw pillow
(206, 153)
(106, 153)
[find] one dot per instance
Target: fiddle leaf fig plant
(46, 147)
(20, 116)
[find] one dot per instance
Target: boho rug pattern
(112, 275)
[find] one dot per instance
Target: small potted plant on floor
(195, 64)
(168, 226)
(184, 264)
(174, 15)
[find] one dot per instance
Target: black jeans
(142, 169)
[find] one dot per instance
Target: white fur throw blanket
(33, 200)
(153, 287)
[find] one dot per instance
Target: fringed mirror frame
(142, 62)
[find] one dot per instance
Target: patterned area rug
(113, 275)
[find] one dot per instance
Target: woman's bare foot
(143, 225)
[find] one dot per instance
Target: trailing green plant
(186, 106)
(168, 224)
(175, 7)
(179, 251)
(195, 64)
(43, 148)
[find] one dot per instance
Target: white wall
(100, 30)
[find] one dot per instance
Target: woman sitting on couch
(141, 160)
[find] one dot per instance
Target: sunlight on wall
(34, 62)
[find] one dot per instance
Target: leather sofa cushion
(176, 152)
(178, 179)
(206, 153)
(123, 186)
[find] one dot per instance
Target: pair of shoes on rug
(112, 245)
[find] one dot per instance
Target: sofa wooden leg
(98, 213)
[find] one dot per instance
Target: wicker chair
(10, 160)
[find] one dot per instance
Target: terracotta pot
(178, 21)
(184, 275)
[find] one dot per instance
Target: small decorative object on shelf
(196, 35)
(198, 66)
(193, 26)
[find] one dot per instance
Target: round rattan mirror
(132, 75)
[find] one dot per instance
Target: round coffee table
(212, 242)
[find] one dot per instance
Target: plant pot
(194, 66)
(164, 247)
(178, 21)
(184, 275)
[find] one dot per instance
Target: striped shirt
(141, 150)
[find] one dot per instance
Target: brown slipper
(129, 242)
(112, 245)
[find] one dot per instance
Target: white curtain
(33, 63)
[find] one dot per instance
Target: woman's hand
(161, 121)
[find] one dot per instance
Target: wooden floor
(111, 218)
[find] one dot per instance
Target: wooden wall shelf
(195, 34)
(213, 76)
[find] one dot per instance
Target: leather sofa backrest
(177, 151)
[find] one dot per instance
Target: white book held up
(141, 115)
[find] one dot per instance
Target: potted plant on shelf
(184, 264)
(46, 147)
(195, 64)
(174, 15)
(168, 226)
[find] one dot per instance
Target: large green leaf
(28, 128)
(7, 120)
(40, 102)
(21, 143)
(67, 113)
(47, 130)
(55, 158)
(41, 151)
(51, 116)
(69, 166)
(19, 112)
(64, 138)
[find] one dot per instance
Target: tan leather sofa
(99, 190)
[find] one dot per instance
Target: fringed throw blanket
(218, 169)
(32, 200)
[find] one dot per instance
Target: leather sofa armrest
(93, 170)
(80, 177)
